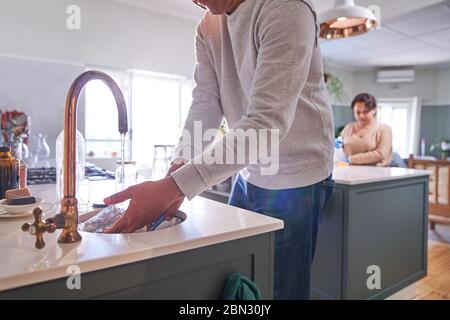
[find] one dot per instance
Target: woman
(366, 141)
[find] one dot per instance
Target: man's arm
(206, 107)
(287, 40)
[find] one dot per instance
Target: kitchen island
(372, 241)
(373, 237)
(187, 261)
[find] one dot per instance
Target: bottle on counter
(161, 160)
(39, 151)
(9, 171)
(80, 155)
(422, 147)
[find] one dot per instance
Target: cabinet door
(387, 234)
(326, 278)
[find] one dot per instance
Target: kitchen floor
(440, 234)
(436, 285)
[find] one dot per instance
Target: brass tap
(38, 228)
(67, 219)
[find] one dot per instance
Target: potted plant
(335, 87)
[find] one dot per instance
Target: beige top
(371, 145)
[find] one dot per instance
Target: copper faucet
(67, 219)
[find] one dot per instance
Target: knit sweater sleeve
(206, 108)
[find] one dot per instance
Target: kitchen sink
(96, 221)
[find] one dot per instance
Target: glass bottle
(160, 166)
(9, 171)
(22, 151)
(41, 151)
(80, 162)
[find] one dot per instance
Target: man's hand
(148, 201)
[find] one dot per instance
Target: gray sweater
(260, 68)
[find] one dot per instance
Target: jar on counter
(9, 171)
(163, 154)
(125, 175)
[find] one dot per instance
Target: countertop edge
(59, 272)
(418, 173)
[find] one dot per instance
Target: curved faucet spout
(69, 203)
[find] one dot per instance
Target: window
(160, 104)
(102, 137)
(403, 116)
(157, 105)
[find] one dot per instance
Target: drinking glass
(83, 194)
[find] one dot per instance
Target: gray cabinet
(381, 224)
(194, 274)
(378, 225)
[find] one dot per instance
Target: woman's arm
(382, 152)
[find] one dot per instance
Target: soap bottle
(9, 171)
(80, 155)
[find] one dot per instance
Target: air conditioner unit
(395, 76)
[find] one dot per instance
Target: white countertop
(208, 223)
(354, 175)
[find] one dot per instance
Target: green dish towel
(239, 287)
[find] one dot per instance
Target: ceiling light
(345, 20)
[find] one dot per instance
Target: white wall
(39, 89)
(443, 86)
(347, 78)
(431, 85)
(424, 86)
(33, 36)
(112, 34)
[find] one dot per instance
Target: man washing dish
(259, 66)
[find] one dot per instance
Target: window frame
(126, 78)
(413, 106)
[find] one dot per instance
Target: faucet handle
(38, 228)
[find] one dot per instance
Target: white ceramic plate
(4, 214)
(23, 210)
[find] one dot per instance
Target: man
(260, 66)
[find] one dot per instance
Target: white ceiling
(414, 32)
(421, 37)
(179, 8)
(185, 8)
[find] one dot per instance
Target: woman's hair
(369, 101)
